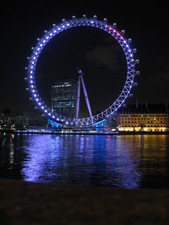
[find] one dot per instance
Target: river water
(126, 161)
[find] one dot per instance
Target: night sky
(98, 55)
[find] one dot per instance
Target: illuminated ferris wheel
(129, 82)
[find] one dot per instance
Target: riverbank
(26, 203)
(83, 132)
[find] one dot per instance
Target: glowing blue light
(100, 123)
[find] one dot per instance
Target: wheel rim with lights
(89, 22)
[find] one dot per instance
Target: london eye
(112, 109)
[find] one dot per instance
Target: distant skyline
(103, 64)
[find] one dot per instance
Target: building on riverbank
(64, 97)
(143, 117)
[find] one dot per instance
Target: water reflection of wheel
(88, 22)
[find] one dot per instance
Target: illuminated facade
(152, 118)
(64, 97)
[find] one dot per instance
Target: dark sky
(99, 56)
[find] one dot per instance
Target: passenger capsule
(137, 73)
(122, 32)
(114, 24)
(137, 61)
(134, 50)
(129, 40)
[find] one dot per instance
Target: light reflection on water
(127, 161)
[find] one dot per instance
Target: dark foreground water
(127, 161)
